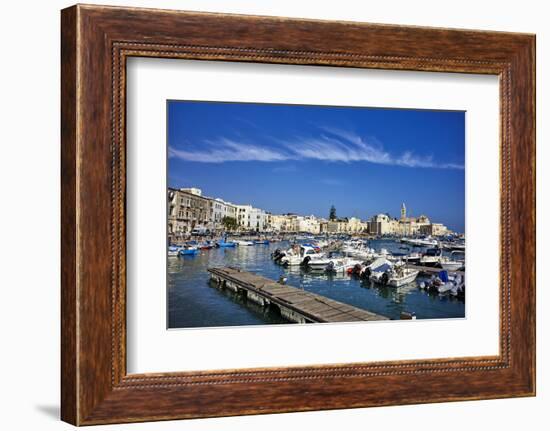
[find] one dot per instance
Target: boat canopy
(383, 268)
(379, 263)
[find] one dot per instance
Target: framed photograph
(266, 215)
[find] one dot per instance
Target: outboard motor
(306, 260)
(367, 273)
(330, 266)
(385, 278)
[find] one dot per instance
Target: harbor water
(193, 302)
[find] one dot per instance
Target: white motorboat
(395, 276)
(378, 265)
(421, 242)
(451, 264)
(301, 255)
(361, 252)
(432, 257)
(342, 265)
(413, 258)
(321, 261)
(444, 283)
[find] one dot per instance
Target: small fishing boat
(395, 275)
(365, 269)
(188, 250)
(451, 264)
(432, 257)
(444, 283)
(224, 243)
(344, 265)
(324, 262)
(261, 241)
(421, 242)
(300, 255)
(413, 258)
(206, 245)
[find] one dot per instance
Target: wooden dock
(295, 305)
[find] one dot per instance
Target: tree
(332, 214)
(229, 223)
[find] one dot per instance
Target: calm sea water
(192, 302)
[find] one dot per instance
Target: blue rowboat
(226, 244)
(190, 251)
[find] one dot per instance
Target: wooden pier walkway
(296, 305)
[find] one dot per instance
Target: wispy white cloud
(371, 150)
(331, 145)
(226, 150)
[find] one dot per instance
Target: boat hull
(454, 266)
(226, 244)
(398, 282)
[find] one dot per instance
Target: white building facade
(250, 218)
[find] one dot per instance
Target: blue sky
(303, 159)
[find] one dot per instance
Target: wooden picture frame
(95, 43)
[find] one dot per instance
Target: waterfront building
(309, 224)
(193, 190)
(187, 210)
(356, 225)
(285, 223)
(382, 224)
(352, 225)
(219, 209)
(434, 229)
(277, 222)
(250, 218)
(333, 226)
(269, 221)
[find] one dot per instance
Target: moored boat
(395, 275)
(173, 250)
(241, 242)
(300, 255)
(445, 283)
(224, 243)
(188, 250)
(344, 265)
(451, 264)
(432, 257)
(206, 245)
